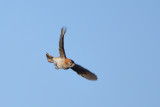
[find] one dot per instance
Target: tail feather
(49, 58)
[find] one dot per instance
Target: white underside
(59, 62)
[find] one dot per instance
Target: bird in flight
(65, 63)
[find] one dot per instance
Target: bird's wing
(49, 58)
(61, 44)
(84, 72)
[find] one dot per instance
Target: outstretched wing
(84, 72)
(49, 58)
(61, 44)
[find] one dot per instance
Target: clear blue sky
(119, 40)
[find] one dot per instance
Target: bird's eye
(72, 61)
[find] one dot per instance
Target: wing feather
(84, 72)
(61, 44)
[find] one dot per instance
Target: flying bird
(62, 62)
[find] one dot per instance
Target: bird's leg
(56, 66)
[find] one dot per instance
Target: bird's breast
(60, 62)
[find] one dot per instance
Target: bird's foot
(57, 67)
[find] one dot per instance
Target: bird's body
(64, 63)
(61, 62)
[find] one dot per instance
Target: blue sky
(119, 40)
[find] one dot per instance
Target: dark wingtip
(93, 77)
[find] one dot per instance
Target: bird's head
(69, 62)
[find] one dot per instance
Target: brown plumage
(64, 63)
(84, 72)
(61, 44)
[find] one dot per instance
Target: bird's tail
(49, 58)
